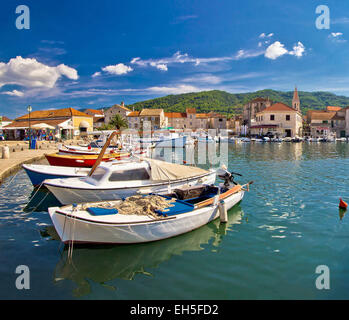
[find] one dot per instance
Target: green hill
(232, 103)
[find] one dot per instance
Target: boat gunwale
(165, 182)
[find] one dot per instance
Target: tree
(117, 122)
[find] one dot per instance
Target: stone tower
(296, 104)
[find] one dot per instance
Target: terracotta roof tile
(175, 114)
(94, 111)
(279, 106)
(151, 112)
(57, 113)
(25, 123)
(134, 114)
(333, 108)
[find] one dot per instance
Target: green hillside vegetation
(230, 103)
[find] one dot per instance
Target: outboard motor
(228, 177)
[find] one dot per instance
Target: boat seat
(95, 211)
(176, 207)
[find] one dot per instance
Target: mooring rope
(13, 178)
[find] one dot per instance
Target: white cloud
(160, 66)
(96, 74)
(177, 58)
(336, 34)
(14, 93)
(263, 35)
(298, 49)
(117, 69)
(28, 72)
(173, 90)
(243, 54)
(277, 49)
(336, 37)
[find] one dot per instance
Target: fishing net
(141, 205)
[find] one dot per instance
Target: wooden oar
(101, 154)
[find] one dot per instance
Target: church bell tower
(296, 104)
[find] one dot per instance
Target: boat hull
(87, 231)
(67, 195)
(80, 161)
(38, 176)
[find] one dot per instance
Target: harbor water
(285, 227)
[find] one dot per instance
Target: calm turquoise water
(287, 225)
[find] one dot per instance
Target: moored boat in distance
(86, 161)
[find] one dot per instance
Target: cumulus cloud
(277, 49)
(30, 73)
(117, 69)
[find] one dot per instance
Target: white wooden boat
(112, 181)
(93, 223)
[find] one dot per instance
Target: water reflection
(103, 264)
(288, 151)
(40, 200)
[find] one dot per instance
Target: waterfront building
(202, 121)
(98, 117)
(4, 121)
(119, 109)
(65, 123)
(235, 124)
(280, 120)
(253, 107)
(134, 120)
(328, 122)
(176, 120)
(156, 118)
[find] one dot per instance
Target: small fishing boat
(37, 173)
(115, 180)
(127, 221)
(86, 161)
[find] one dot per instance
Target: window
(272, 117)
(126, 175)
(288, 117)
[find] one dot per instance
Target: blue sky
(86, 54)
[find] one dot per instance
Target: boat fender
(342, 204)
(223, 213)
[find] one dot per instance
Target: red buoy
(342, 204)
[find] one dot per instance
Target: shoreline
(14, 164)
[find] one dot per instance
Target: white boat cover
(164, 171)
